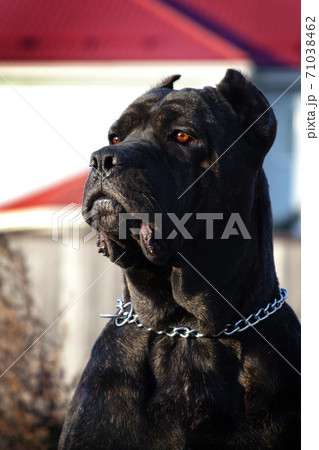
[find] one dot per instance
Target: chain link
(126, 315)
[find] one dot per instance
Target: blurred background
(67, 70)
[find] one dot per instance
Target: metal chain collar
(126, 315)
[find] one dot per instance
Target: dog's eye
(114, 139)
(183, 138)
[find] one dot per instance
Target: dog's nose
(105, 161)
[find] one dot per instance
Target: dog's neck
(203, 292)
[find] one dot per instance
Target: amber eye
(183, 138)
(114, 139)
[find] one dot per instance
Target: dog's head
(181, 152)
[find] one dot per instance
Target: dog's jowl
(203, 351)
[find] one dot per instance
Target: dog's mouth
(143, 237)
(103, 206)
(115, 224)
(101, 211)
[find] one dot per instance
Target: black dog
(173, 376)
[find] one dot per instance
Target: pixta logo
(66, 223)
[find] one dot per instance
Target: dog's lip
(102, 200)
(98, 206)
(147, 238)
(105, 204)
(152, 247)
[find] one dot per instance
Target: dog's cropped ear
(252, 109)
(168, 82)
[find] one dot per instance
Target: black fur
(145, 391)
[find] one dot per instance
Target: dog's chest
(195, 378)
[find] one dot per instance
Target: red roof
(266, 31)
(69, 191)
